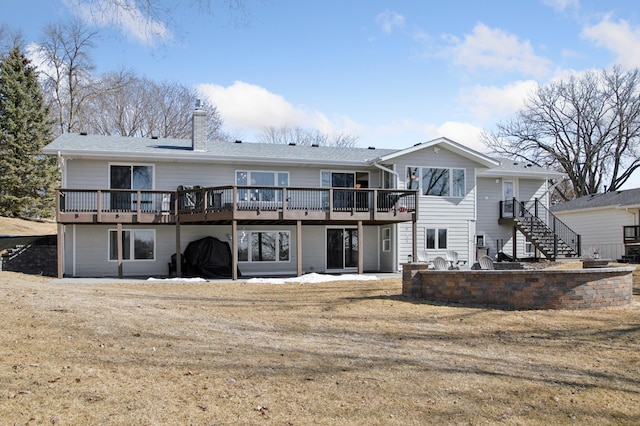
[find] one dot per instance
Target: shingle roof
(625, 198)
(509, 167)
(117, 146)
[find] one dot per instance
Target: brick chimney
(199, 132)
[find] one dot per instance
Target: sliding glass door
(342, 248)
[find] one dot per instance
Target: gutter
(200, 157)
(386, 169)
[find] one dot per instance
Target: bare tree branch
(300, 136)
(587, 127)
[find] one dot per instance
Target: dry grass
(334, 353)
(16, 226)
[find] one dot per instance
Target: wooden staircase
(552, 237)
(543, 238)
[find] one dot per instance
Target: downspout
(62, 229)
(386, 169)
(395, 261)
(549, 189)
(61, 166)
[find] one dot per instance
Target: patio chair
(440, 264)
(452, 258)
(423, 257)
(485, 262)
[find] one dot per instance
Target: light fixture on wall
(436, 149)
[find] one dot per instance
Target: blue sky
(393, 72)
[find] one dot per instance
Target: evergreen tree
(27, 177)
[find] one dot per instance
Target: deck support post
(299, 247)
(119, 246)
(360, 249)
(234, 250)
(414, 238)
(178, 251)
(60, 244)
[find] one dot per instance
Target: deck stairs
(553, 238)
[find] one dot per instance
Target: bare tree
(587, 127)
(10, 39)
(134, 106)
(301, 136)
(155, 16)
(67, 70)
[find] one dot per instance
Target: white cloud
(494, 48)
(490, 102)
(403, 132)
(618, 37)
(125, 16)
(253, 108)
(388, 20)
(562, 5)
(466, 134)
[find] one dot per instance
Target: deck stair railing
(552, 237)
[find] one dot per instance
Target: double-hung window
(386, 239)
(435, 238)
(137, 244)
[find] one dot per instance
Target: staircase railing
(560, 230)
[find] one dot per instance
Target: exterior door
(508, 193)
(132, 178)
(342, 248)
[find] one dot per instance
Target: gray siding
(500, 237)
(457, 215)
(93, 174)
(89, 258)
(600, 229)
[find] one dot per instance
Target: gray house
(127, 205)
(609, 223)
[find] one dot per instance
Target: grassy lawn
(331, 353)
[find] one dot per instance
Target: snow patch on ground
(312, 278)
(304, 279)
(182, 280)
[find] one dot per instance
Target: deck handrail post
(99, 206)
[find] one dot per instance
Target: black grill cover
(208, 257)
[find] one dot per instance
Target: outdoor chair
(423, 257)
(485, 262)
(440, 264)
(452, 258)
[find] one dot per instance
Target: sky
(395, 73)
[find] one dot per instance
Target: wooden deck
(280, 205)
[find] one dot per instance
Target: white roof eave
(191, 156)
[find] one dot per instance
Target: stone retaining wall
(522, 289)
(34, 260)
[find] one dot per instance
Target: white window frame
(329, 172)
(416, 177)
(451, 171)
(386, 239)
(529, 248)
(245, 238)
(436, 240)
(132, 165)
(132, 245)
(243, 194)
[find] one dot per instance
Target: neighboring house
(608, 222)
(128, 204)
